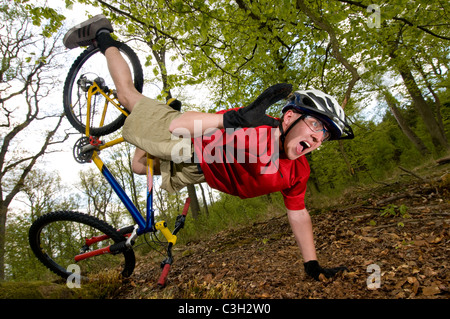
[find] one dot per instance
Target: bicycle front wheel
(91, 66)
(57, 238)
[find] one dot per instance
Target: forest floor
(399, 229)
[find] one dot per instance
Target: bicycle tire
(41, 245)
(73, 76)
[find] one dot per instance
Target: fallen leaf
(322, 278)
(437, 240)
(393, 235)
(352, 274)
(420, 242)
(415, 283)
(431, 290)
(208, 278)
(400, 283)
(368, 239)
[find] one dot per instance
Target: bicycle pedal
(83, 83)
(95, 141)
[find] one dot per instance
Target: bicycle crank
(84, 148)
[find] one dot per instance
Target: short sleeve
(294, 196)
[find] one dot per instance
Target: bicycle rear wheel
(91, 66)
(56, 238)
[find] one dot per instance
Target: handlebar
(179, 224)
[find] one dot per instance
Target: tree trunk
(433, 92)
(195, 207)
(335, 48)
(418, 143)
(3, 211)
(437, 136)
(351, 171)
(205, 204)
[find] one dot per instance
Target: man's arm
(252, 115)
(189, 120)
(139, 163)
(302, 228)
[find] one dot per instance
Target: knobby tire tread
(34, 238)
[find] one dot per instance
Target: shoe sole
(82, 32)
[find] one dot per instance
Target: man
(243, 151)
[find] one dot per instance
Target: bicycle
(91, 106)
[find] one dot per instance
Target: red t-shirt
(247, 163)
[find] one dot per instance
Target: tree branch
(19, 184)
(143, 23)
(359, 4)
(321, 23)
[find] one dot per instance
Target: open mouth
(303, 146)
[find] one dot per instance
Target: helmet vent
(307, 101)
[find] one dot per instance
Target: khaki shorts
(147, 127)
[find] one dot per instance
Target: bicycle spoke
(58, 238)
(54, 242)
(85, 82)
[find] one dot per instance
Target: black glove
(313, 269)
(254, 114)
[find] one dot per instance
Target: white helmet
(325, 108)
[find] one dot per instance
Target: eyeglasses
(316, 126)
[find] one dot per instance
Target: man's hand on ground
(313, 269)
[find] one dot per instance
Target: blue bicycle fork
(145, 224)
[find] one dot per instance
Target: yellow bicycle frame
(147, 224)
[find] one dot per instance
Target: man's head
(310, 118)
(306, 133)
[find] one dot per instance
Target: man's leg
(121, 74)
(97, 31)
(128, 97)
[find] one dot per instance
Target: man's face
(301, 139)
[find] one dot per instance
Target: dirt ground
(399, 230)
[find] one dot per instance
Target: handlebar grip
(164, 274)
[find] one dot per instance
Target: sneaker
(84, 33)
